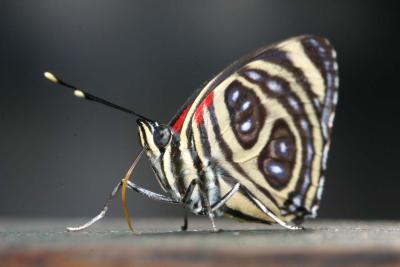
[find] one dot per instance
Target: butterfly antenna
(85, 95)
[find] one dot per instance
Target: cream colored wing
(266, 122)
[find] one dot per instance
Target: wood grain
(324, 243)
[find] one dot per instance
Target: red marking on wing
(177, 126)
(206, 103)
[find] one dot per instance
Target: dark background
(60, 157)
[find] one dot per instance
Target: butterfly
(252, 144)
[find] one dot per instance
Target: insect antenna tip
(79, 94)
(50, 76)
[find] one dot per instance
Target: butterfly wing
(265, 122)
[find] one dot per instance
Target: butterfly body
(251, 144)
(263, 123)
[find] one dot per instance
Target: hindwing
(266, 122)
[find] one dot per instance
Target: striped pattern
(264, 122)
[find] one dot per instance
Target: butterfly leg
(226, 197)
(184, 227)
(262, 207)
(208, 209)
(204, 199)
(185, 199)
(113, 193)
(150, 194)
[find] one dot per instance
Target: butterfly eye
(161, 136)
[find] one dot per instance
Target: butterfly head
(154, 137)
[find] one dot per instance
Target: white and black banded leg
(204, 198)
(131, 186)
(262, 207)
(226, 197)
(237, 187)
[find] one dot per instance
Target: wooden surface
(324, 243)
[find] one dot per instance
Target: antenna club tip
(79, 93)
(50, 76)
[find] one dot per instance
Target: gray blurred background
(60, 157)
